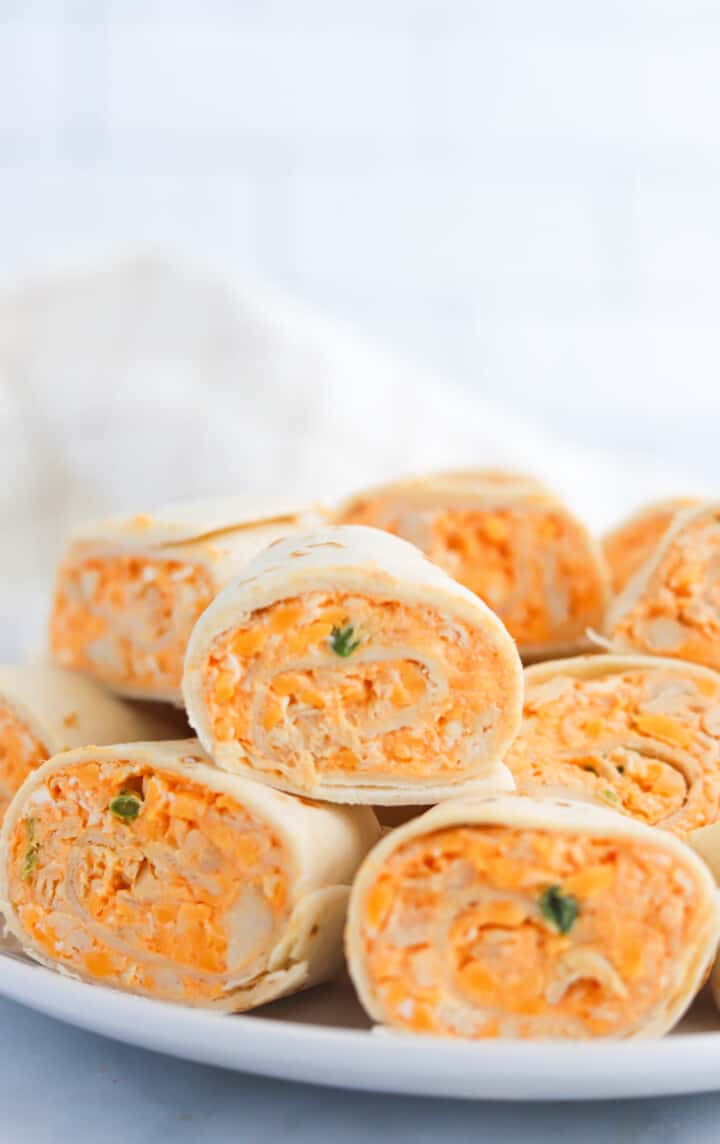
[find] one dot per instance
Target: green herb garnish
(30, 857)
(610, 795)
(559, 909)
(126, 805)
(342, 642)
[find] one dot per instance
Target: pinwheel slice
(129, 589)
(633, 541)
(44, 710)
(146, 868)
(639, 734)
(345, 665)
(523, 918)
(508, 539)
(672, 605)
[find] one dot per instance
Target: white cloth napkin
(144, 380)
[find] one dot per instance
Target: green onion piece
(126, 805)
(30, 856)
(559, 909)
(342, 642)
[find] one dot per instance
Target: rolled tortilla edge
(68, 709)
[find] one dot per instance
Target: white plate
(322, 1036)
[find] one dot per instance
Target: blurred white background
(484, 229)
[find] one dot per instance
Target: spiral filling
(640, 741)
(530, 563)
(629, 546)
(331, 683)
(490, 931)
(678, 611)
(126, 619)
(146, 880)
(21, 752)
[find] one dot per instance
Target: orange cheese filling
(489, 931)
(531, 564)
(332, 682)
(678, 611)
(20, 753)
(646, 742)
(628, 547)
(126, 619)
(147, 881)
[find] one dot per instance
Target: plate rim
(374, 1060)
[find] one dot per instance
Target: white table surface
(59, 1084)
